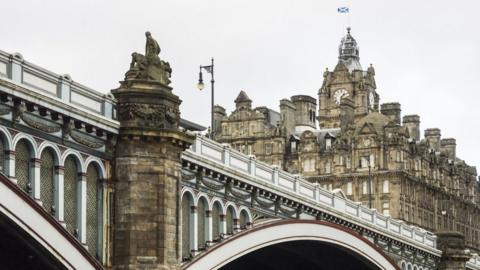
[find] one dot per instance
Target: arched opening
(187, 203)
(93, 213)
(304, 254)
(202, 225)
(216, 212)
(294, 244)
(47, 173)
(229, 216)
(70, 195)
(244, 220)
(23, 156)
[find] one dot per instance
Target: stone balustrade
(14, 68)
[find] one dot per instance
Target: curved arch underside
(294, 244)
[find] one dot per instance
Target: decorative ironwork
(186, 252)
(92, 210)
(22, 165)
(216, 221)
(70, 196)
(47, 191)
(2, 155)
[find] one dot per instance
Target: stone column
(148, 169)
(454, 255)
(209, 227)
(82, 207)
(35, 171)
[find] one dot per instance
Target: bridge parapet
(299, 189)
(39, 80)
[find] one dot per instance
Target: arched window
(187, 202)
(229, 219)
(70, 195)
(22, 165)
(201, 222)
(404, 266)
(92, 210)
(243, 219)
(216, 211)
(47, 191)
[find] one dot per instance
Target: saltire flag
(343, 10)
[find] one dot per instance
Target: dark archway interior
(19, 251)
(301, 255)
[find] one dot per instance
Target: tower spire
(349, 52)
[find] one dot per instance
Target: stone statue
(149, 66)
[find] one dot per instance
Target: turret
(392, 111)
(305, 107)
(243, 101)
(412, 123)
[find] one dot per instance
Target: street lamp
(200, 87)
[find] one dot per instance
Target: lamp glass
(200, 86)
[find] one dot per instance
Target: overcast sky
(426, 54)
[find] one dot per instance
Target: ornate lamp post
(200, 87)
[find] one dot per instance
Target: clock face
(371, 98)
(366, 142)
(339, 94)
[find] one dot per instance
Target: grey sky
(426, 53)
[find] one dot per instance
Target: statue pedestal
(147, 174)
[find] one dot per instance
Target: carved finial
(348, 29)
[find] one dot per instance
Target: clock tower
(348, 79)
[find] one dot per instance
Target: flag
(343, 10)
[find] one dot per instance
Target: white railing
(474, 262)
(37, 79)
(306, 191)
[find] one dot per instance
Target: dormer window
(328, 143)
(293, 146)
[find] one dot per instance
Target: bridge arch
(231, 251)
(31, 238)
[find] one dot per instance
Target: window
(268, 149)
(386, 208)
(22, 165)
(349, 163)
(340, 160)
(249, 149)
(309, 165)
(349, 188)
(364, 162)
(293, 146)
(365, 187)
(328, 167)
(386, 186)
(328, 143)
